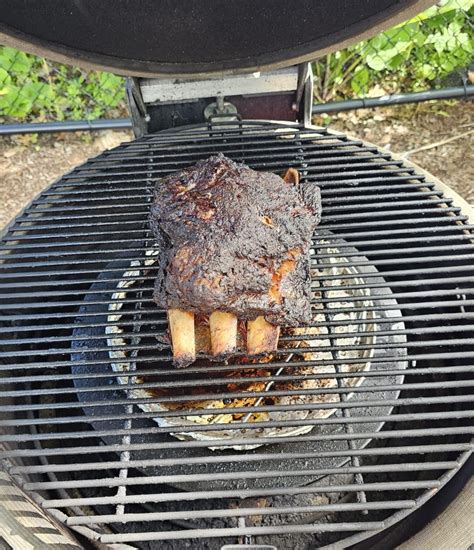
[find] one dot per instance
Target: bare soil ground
(447, 132)
(26, 168)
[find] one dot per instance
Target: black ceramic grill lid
(193, 37)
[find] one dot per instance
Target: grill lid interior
(191, 37)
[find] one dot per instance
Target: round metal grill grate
(82, 436)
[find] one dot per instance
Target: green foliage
(413, 56)
(33, 89)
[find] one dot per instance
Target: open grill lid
(189, 37)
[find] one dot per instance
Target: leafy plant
(33, 88)
(415, 55)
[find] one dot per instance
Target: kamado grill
(341, 438)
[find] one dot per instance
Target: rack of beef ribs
(233, 247)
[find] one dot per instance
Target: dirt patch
(26, 167)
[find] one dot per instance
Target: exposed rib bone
(262, 336)
(223, 328)
(181, 325)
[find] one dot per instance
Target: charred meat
(234, 245)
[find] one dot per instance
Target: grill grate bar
(203, 147)
(395, 451)
(188, 140)
(316, 245)
(182, 383)
(350, 235)
(193, 155)
(195, 152)
(400, 273)
(314, 170)
(326, 165)
(415, 401)
(412, 417)
(346, 413)
(372, 285)
(349, 196)
(157, 322)
(385, 177)
(127, 431)
(82, 195)
(371, 213)
(238, 512)
(405, 190)
(137, 160)
(249, 394)
(254, 154)
(288, 338)
(243, 493)
(270, 366)
(280, 155)
(165, 357)
(391, 261)
(342, 204)
(320, 160)
(348, 152)
(31, 224)
(185, 428)
(363, 207)
(170, 479)
(439, 292)
(409, 221)
(242, 531)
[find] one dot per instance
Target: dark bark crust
(236, 240)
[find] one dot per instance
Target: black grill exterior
(79, 439)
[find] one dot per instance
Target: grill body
(82, 444)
